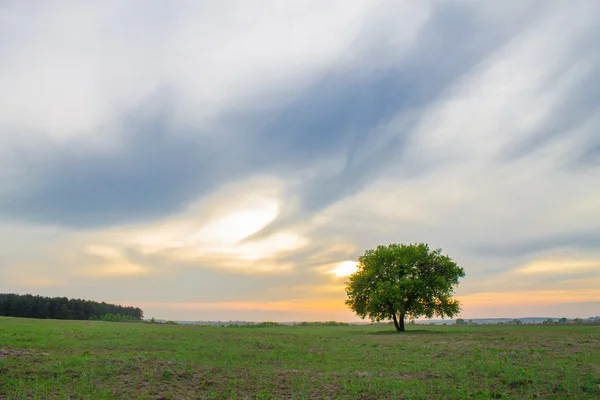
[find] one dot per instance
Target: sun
(345, 268)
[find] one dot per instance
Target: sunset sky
(230, 160)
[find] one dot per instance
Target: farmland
(42, 359)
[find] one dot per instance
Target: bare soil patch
(6, 352)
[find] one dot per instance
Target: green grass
(41, 359)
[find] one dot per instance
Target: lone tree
(400, 281)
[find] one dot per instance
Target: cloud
(339, 114)
(560, 266)
(77, 66)
(579, 241)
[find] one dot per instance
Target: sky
(231, 160)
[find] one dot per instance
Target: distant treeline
(270, 324)
(30, 306)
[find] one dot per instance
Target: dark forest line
(34, 306)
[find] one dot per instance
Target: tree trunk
(396, 322)
(399, 324)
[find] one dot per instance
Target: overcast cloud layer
(213, 160)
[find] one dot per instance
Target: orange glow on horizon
(510, 301)
(540, 297)
(289, 305)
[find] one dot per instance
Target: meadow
(43, 359)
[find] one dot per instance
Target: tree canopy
(401, 281)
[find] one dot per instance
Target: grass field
(43, 359)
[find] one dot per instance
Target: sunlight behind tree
(345, 268)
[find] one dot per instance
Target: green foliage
(404, 281)
(167, 374)
(266, 324)
(328, 323)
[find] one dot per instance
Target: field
(41, 359)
